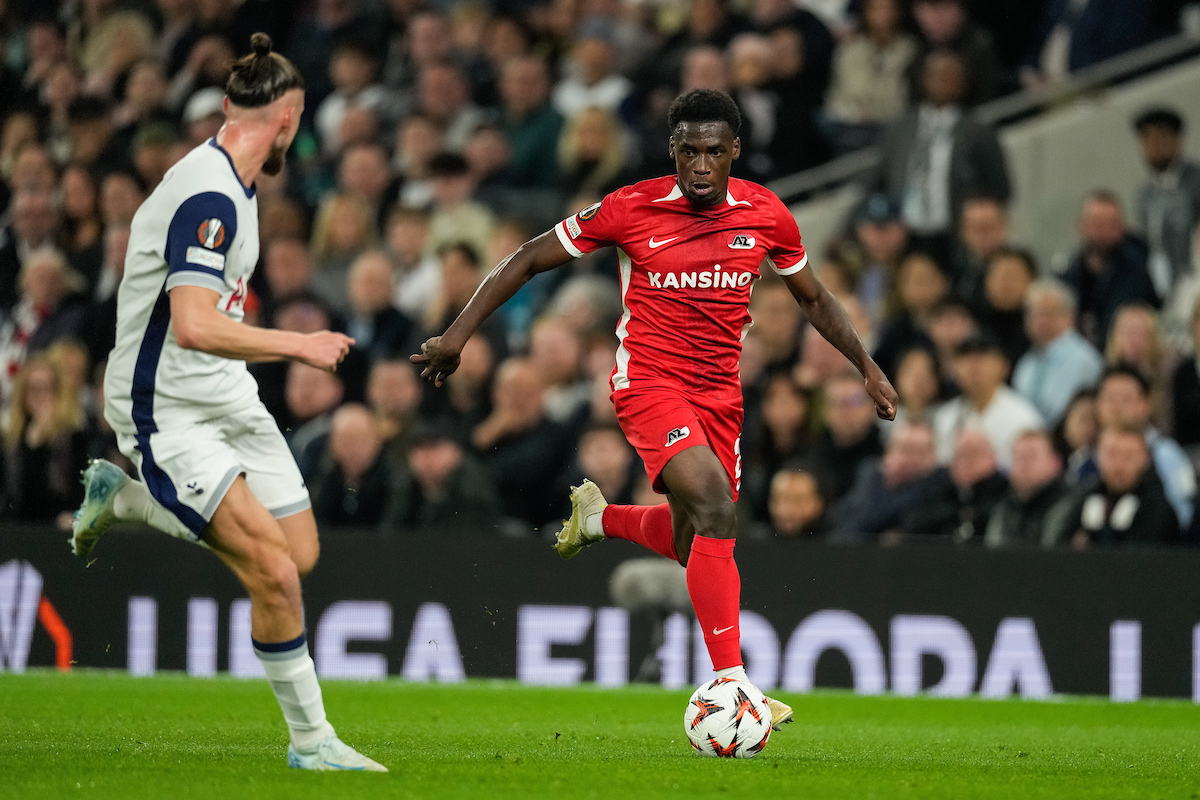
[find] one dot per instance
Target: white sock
(593, 524)
(134, 503)
(738, 673)
(293, 678)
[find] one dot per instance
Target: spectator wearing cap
(531, 122)
(1124, 503)
(1060, 362)
(1110, 269)
(960, 497)
(982, 230)
(1123, 399)
(882, 236)
(1168, 205)
(1034, 509)
(935, 157)
(203, 115)
(457, 216)
(591, 80)
(445, 489)
(986, 403)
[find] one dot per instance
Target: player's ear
(737, 147)
(671, 146)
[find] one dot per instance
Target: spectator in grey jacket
(1168, 205)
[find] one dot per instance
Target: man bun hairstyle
(704, 105)
(262, 77)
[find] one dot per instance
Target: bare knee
(274, 577)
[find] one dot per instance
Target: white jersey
(198, 228)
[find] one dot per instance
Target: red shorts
(662, 421)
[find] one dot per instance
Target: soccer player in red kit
(690, 249)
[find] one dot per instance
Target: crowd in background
(1035, 410)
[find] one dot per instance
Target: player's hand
(439, 360)
(881, 391)
(325, 349)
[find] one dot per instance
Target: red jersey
(686, 276)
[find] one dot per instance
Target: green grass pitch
(91, 734)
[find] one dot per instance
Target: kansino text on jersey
(699, 280)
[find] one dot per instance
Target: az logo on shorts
(676, 435)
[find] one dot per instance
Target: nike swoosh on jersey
(654, 244)
(719, 632)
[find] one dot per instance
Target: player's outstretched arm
(198, 325)
(439, 356)
(829, 318)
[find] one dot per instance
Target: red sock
(649, 526)
(715, 588)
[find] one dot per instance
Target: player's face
(704, 153)
(289, 124)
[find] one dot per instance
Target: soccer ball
(727, 718)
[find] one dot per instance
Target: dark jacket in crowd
(842, 463)
(1185, 392)
(1033, 522)
(977, 164)
(1103, 29)
(872, 507)
(524, 465)
(1123, 279)
(469, 504)
(947, 510)
(368, 505)
(42, 482)
(1142, 517)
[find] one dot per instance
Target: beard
(274, 163)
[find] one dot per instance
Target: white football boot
(332, 754)
(586, 500)
(101, 482)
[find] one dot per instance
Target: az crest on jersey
(741, 241)
(211, 233)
